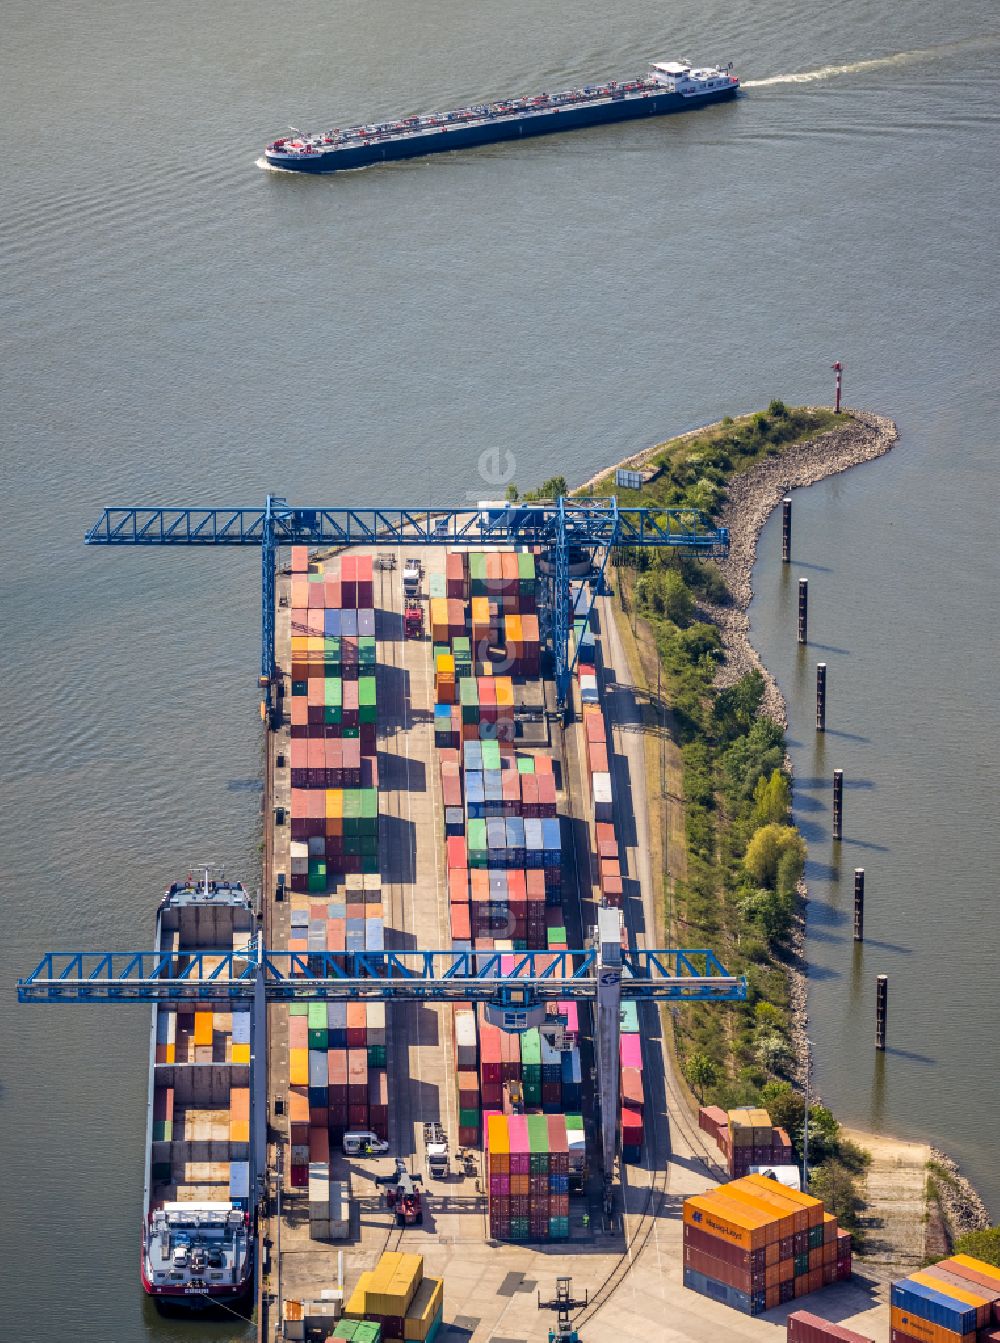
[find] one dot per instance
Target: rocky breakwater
(753, 494)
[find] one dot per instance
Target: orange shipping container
(783, 1219)
(912, 1326)
(721, 1217)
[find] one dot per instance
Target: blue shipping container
(934, 1307)
(720, 1291)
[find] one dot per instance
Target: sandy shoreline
(753, 495)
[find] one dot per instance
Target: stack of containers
(334, 803)
(956, 1300)
(631, 1088)
(397, 1296)
(466, 1062)
(528, 1177)
(806, 1328)
(748, 1139)
(755, 1244)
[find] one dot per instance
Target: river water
(181, 326)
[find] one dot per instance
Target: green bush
(768, 846)
(983, 1245)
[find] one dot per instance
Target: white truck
(411, 580)
(436, 1150)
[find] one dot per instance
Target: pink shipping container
(630, 1051)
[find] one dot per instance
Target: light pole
(805, 1120)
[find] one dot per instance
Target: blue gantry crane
(514, 987)
(560, 529)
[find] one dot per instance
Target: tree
(777, 410)
(701, 1072)
(839, 1190)
(512, 494)
(772, 800)
(771, 911)
(767, 847)
(983, 1245)
(772, 1051)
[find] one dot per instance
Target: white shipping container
(375, 1023)
(300, 867)
(466, 1047)
(601, 783)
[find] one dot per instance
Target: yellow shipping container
(203, 1026)
(505, 691)
(298, 1067)
(498, 1136)
(424, 1309)
(355, 1308)
(241, 1053)
(515, 631)
(335, 803)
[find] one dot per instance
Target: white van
(362, 1142)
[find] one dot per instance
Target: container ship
(670, 86)
(198, 1207)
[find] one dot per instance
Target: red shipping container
(747, 1260)
(319, 1144)
(490, 1053)
(357, 1028)
(461, 927)
(457, 852)
(804, 1327)
(299, 1177)
(632, 1093)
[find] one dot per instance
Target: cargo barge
(670, 86)
(198, 1207)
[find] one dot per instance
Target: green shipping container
(815, 1237)
(468, 1118)
(630, 1018)
(318, 1039)
(437, 585)
(376, 1056)
(491, 754)
(538, 1137)
(525, 764)
(366, 699)
(801, 1264)
(298, 1009)
(574, 1123)
(556, 936)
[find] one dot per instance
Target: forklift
(563, 1303)
(402, 1196)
